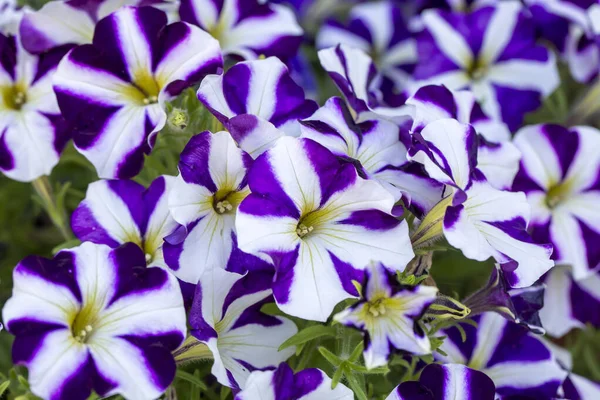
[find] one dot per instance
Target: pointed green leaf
(3, 386)
(356, 387)
(329, 356)
(308, 334)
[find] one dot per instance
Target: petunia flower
(446, 382)
(257, 101)
(10, 16)
(95, 318)
(497, 158)
(32, 131)
(113, 91)
(492, 51)
(72, 22)
(320, 223)
(379, 30)
(284, 384)
(377, 149)
(115, 212)
(577, 387)
(475, 217)
(204, 200)
(389, 315)
(570, 303)
(518, 362)
(572, 27)
(359, 80)
(559, 174)
(226, 316)
(246, 28)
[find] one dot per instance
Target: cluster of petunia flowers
(323, 210)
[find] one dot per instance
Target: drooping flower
(475, 217)
(497, 158)
(204, 200)
(115, 212)
(95, 318)
(379, 30)
(492, 51)
(32, 131)
(571, 26)
(559, 174)
(518, 362)
(570, 303)
(521, 306)
(284, 384)
(246, 28)
(389, 315)
(257, 101)
(378, 150)
(358, 79)
(320, 223)
(226, 317)
(113, 91)
(446, 382)
(72, 22)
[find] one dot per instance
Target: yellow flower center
(376, 307)
(477, 70)
(13, 97)
(557, 194)
(226, 202)
(83, 323)
(144, 89)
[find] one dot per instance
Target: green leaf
(357, 351)
(337, 376)
(356, 387)
(186, 376)
(308, 334)
(3, 386)
(329, 356)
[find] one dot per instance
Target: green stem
(588, 106)
(57, 215)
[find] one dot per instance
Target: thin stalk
(587, 107)
(57, 214)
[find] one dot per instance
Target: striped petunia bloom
(379, 30)
(358, 79)
(320, 223)
(226, 316)
(378, 149)
(493, 52)
(95, 318)
(497, 158)
(257, 101)
(204, 201)
(284, 384)
(559, 174)
(113, 91)
(571, 26)
(115, 212)
(570, 303)
(476, 218)
(389, 314)
(519, 363)
(446, 382)
(69, 22)
(246, 28)
(32, 130)
(577, 387)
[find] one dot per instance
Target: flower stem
(54, 210)
(586, 107)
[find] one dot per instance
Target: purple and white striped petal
(577, 387)
(99, 319)
(376, 148)
(519, 363)
(204, 200)
(492, 51)
(378, 29)
(320, 223)
(448, 151)
(32, 131)
(559, 174)
(263, 88)
(492, 223)
(283, 384)
(226, 316)
(570, 303)
(356, 76)
(10, 16)
(246, 28)
(447, 382)
(389, 315)
(115, 212)
(113, 91)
